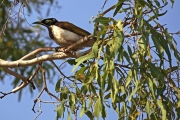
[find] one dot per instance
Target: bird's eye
(47, 21)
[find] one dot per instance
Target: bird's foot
(65, 50)
(60, 49)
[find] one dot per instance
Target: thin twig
(106, 11)
(45, 85)
(39, 110)
(60, 70)
(4, 94)
(35, 101)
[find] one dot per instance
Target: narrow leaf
(118, 7)
(82, 59)
(102, 20)
(60, 110)
(97, 108)
(129, 77)
(58, 85)
(163, 110)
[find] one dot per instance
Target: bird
(65, 33)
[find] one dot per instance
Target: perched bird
(65, 33)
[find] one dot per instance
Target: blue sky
(78, 12)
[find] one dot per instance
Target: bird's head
(46, 22)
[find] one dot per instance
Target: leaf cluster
(129, 69)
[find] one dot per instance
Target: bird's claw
(60, 49)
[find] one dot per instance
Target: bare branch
(25, 84)
(43, 89)
(20, 63)
(35, 101)
(24, 79)
(37, 51)
(39, 110)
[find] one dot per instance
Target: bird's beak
(40, 23)
(37, 23)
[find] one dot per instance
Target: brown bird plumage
(65, 33)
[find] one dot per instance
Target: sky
(78, 12)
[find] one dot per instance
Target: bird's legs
(60, 49)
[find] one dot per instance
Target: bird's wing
(73, 28)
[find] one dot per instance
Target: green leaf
(95, 48)
(162, 13)
(82, 112)
(129, 78)
(91, 100)
(161, 44)
(139, 85)
(103, 113)
(142, 43)
(169, 38)
(155, 16)
(92, 89)
(102, 20)
(58, 86)
(114, 90)
(169, 70)
(89, 114)
(155, 71)
(72, 106)
(147, 107)
(120, 54)
(120, 26)
(82, 59)
(84, 89)
(83, 109)
(122, 88)
(72, 61)
(99, 77)
(73, 98)
(118, 38)
(161, 89)
(152, 87)
(118, 7)
(60, 110)
(109, 81)
(80, 74)
(123, 110)
(163, 110)
(177, 110)
(125, 54)
(172, 1)
(63, 96)
(69, 116)
(130, 53)
(157, 43)
(178, 92)
(166, 48)
(97, 108)
(101, 33)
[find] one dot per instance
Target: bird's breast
(63, 37)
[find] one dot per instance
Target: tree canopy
(132, 68)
